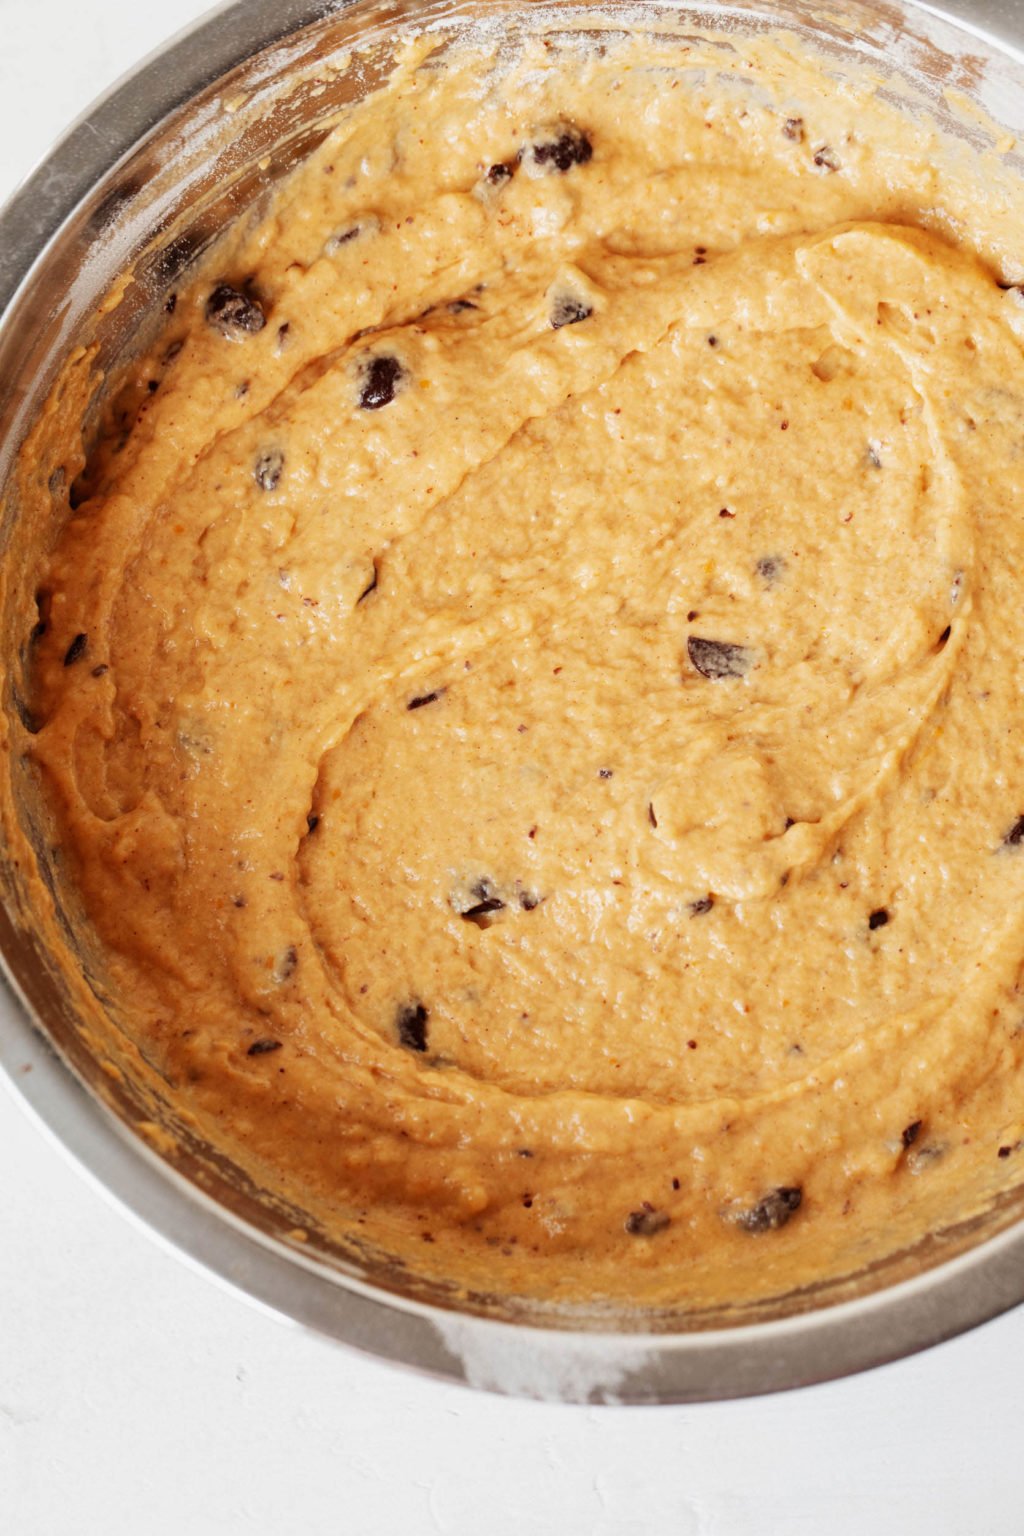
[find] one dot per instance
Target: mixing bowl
(140, 187)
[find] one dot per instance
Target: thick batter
(529, 689)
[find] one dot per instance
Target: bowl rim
(557, 1364)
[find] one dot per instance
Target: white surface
(137, 1396)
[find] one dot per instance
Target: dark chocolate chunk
(698, 908)
(1015, 836)
(717, 659)
(411, 1023)
(772, 1211)
(268, 469)
(726, 513)
(568, 148)
(425, 698)
(76, 650)
(911, 1132)
(380, 377)
(498, 174)
(1004, 1152)
(263, 1047)
(793, 128)
(878, 918)
(312, 821)
(567, 310)
(647, 1221)
(233, 313)
(826, 158)
(605, 773)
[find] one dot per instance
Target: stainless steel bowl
(141, 185)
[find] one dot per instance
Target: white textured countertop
(136, 1395)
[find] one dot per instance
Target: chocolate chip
(411, 1024)
(287, 964)
(604, 773)
(76, 650)
(560, 153)
(726, 513)
(343, 236)
(1015, 836)
(918, 1158)
(717, 659)
(312, 821)
(372, 586)
(826, 158)
(567, 310)
(911, 1132)
(268, 469)
(771, 1212)
(28, 718)
(380, 377)
(878, 918)
(233, 313)
(793, 128)
(770, 568)
(698, 908)
(1004, 1152)
(425, 698)
(482, 908)
(263, 1047)
(497, 175)
(647, 1221)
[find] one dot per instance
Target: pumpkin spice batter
(528, 689)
